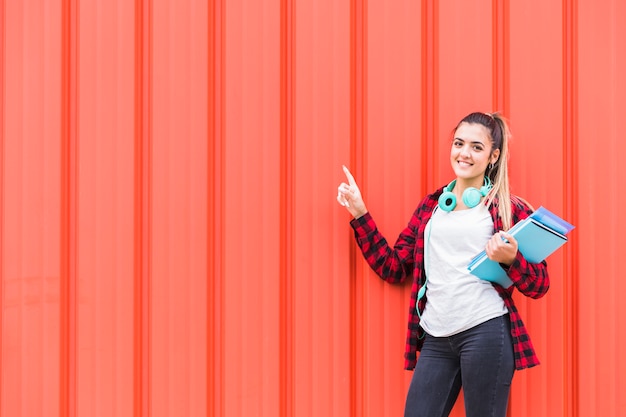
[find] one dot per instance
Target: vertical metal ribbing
(430, 115)
(286, 207)
(142, 208)
(500, 39)
(69, 105)
(215, 335)
(2, 167)
(570, 145)
(358, 134)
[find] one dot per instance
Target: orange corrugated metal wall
(170, 243)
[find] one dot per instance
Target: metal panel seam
(215, 337)
(500, 76)
(286, 389)
(570, 144)
(2, 167)
(430, 101)
(501, 56)
(142, 211)
(69, 74)
(358, 151)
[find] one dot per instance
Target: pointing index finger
(351, 180)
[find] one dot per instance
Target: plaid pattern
(406, 259)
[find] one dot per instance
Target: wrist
(506, 265)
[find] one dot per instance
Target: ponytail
(499, 173)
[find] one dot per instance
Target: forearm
(393, 265)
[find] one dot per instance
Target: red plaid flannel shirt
(406, 259)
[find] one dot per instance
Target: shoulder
(430, 201)
(425, 208)
(520, 208)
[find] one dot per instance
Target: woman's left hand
(502, 248)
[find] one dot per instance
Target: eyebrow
(476, 141)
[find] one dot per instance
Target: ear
(495, 155)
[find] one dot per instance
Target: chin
(464, 175)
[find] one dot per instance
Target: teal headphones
(471, 196)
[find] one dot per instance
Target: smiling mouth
(464, 163)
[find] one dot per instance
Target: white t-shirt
(456, 299)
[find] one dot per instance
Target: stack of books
(538, 236)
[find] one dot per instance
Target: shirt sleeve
(530, 279)
(392, 264)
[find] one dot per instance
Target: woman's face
(471, 152)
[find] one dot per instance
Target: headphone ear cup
(447, 201)
(471, 197)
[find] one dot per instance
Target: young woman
(468, 331)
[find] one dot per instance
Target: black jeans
(479, 359)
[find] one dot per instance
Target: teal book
(538, 236)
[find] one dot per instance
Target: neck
(462, 184)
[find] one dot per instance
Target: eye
(457, 143)
(478, 148)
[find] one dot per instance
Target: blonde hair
(499, 176)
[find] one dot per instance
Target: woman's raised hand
(349, 196)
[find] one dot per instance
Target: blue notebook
(538, 236)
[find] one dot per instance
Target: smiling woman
(472, 152)
(459, 322)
